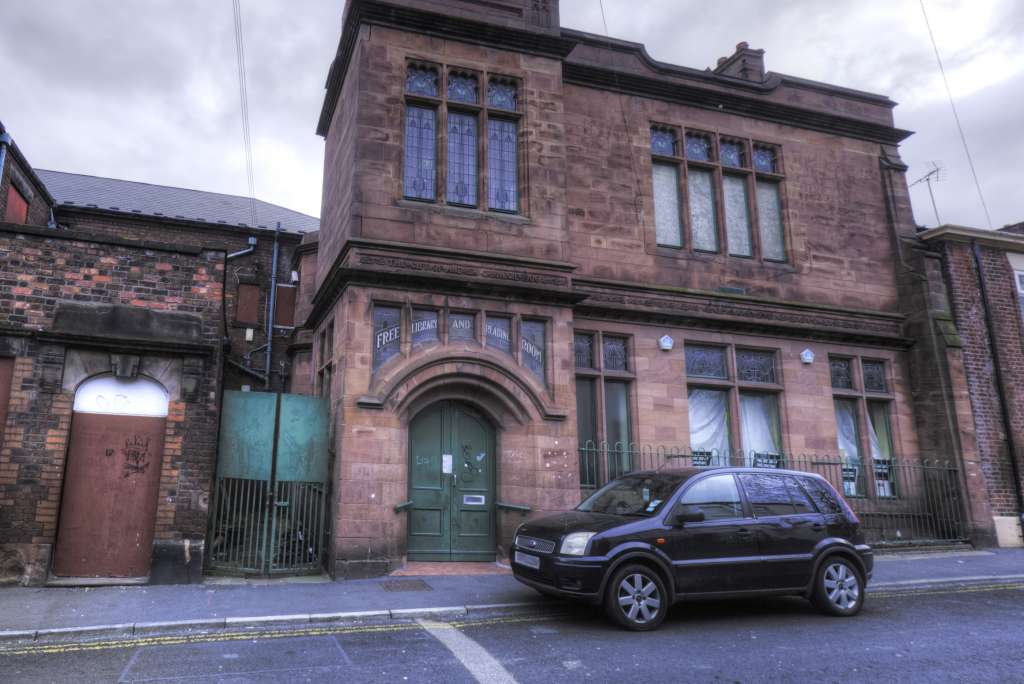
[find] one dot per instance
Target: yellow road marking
(210, 637)
(970, 589)
(179, 639)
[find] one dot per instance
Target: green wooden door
(451, 485)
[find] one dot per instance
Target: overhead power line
(956, 116)
(243, 95)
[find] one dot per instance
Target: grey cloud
(147, 90)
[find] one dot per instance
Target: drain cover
(406, 585)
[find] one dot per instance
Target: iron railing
(897, 501)
(254, 533)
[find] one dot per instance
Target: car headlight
(575, 544)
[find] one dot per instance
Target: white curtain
(759, 424)
(846, 424)
(709, 423)
(881, 439)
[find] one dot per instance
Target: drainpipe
(242, 252)
(272, 308)
(1000, 383)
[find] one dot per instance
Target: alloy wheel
(841, 586)
(639, 598)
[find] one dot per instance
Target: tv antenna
(934, 175)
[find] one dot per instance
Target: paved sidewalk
(40, 612)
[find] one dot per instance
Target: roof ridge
(175, 187)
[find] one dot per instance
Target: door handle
(744, 532)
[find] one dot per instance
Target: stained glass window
(462, 87)
(421, 81)
(769, 216)
(532, 344)
(706, 362)
(583, 345)
(737, 215)
(387, 334)
(499, 333)
(755, 365)
(462, 146)
(663, 141)
(502, 170)
(667, 225)
(614, 350)
(765, 160)
(461, 326)
(424, 326)
(419, 175)
(698, 147)
(731, 153)
(841, 371)
(502, 94)
(703, 220)
(874, 376)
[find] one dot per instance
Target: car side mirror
(688, 514)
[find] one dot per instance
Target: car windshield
(639, 495)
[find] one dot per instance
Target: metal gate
(271, 492)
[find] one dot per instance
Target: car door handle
(744, 532)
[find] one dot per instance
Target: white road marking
(474, 657)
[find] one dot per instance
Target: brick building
(125, 309)
(537, 244)
(984, 277)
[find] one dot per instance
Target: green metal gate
(271, 492)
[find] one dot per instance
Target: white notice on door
(446, 464)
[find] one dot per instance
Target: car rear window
(823, 496)
(799, 497)
(768, 494)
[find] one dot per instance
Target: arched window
(107, 394)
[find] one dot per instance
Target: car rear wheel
(838, 588)
(636, 598)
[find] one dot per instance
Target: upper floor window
(728, 191)
(445, 111)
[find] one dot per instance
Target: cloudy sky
(146, 90)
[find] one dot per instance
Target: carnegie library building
(544, 259)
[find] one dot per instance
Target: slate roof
(146, 199)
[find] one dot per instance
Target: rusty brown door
(108, 510)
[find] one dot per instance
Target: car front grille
(534, 544)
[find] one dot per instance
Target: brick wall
(255, 268)
(39, 270)
(38, 200)
(986, 402)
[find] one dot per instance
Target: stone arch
(482, 380)
(108, 394)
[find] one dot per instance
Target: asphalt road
(969, 635)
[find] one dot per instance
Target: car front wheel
(636, 598)
(838, 588)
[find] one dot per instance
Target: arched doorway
(452, 484)
(108, 507)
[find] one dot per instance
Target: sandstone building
(542, 251)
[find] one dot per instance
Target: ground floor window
(604, 382)
(733, 403)
(863, 409)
